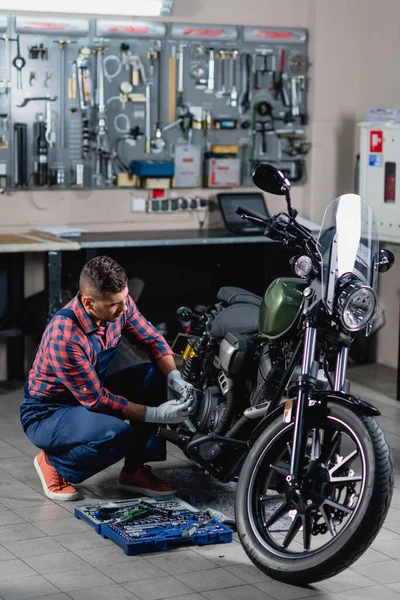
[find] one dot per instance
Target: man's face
(108, 306)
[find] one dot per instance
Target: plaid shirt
(66, 359)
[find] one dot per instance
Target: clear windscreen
(348, 243)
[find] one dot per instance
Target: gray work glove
(179, 389)
(173, 411)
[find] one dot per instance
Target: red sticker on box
(376, 141)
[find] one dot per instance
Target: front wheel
(307, 535)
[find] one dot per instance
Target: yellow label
(224, 149)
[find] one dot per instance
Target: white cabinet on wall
(379, 180)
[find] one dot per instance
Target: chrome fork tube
(341, 367)
(310, 340)
(309, 350)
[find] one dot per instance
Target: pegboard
(208, 102)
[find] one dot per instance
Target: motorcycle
(274, 409)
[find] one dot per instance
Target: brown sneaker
(54, 486)
(143, 481)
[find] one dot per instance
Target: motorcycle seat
(237, 318)
(237, 295)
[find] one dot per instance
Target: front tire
(361, 514)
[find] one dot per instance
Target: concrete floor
(45, 552)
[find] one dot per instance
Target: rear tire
(351, 542)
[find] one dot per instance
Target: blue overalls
(78, 442)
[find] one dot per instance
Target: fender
(319, 396)
(348, 400)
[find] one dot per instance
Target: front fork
(307, 383)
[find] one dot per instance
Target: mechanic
(77, 415)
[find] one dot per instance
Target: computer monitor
(228, 203)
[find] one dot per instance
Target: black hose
(226, 417)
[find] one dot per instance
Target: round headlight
(357, 305)
(302, 267)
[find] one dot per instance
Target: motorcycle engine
(209, 409)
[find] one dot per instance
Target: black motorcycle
(274, 409)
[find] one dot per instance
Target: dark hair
(102, 274)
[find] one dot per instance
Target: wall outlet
(138, 204)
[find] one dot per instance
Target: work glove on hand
(179, 389)
(173, 411)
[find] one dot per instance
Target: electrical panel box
(379, 182)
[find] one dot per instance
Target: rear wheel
(314, 533)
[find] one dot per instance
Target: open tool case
(157, 524)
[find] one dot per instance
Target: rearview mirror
(385, 260)
(269, 179)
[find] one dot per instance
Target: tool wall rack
(83, 101)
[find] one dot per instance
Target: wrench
(180, 75)
(211, 71)
(245, 96)
(147, 132)
(47, 100)
(233, 68)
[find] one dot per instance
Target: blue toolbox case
(88, 512)
(163, 536)
(152, 168)
(138, 537)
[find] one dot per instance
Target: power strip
(176, 204)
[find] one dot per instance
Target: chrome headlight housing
(356, 305)
(302, 266)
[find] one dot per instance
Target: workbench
(174, 268)
(13, 248)
(183, 267)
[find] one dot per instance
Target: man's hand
(179, 389)
(173, 411)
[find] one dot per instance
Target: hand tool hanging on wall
(262, 124)
(211, 71)
(186, 123)
(180, 103)
(49, 135)
(172, 86)
(72, 82)
(18, 61)
(157, 143)
(246, 63)
(147, 130)
(222, 74)
(262, 68)
(233, 77)
(40, 169)
(86, 101)
(4, 125)
(21, 154)
(38, 52)
(280, 84)
(48, 78)
(62, 46)
(297, 63)
(153, 56)
(103, 168)
(294, 101)
(133, 63)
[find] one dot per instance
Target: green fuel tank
(281, 306)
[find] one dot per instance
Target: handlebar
(285, 229)
(251, 215)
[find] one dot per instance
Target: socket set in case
(151, 525)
